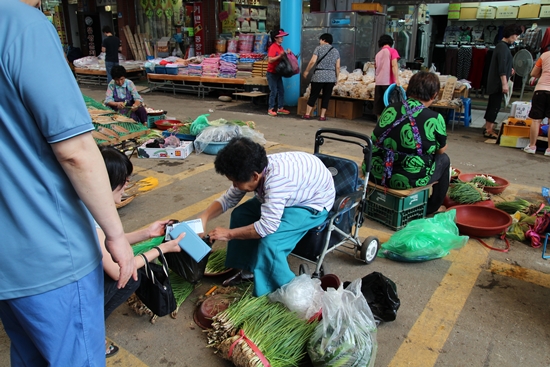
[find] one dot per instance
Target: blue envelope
(191, 243)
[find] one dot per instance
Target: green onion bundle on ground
(467, 193)
(511, 207)
(181, 289)
(216, 262)
(279, 334)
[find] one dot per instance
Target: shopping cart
(341, 228)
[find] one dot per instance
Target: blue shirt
(291, 179)
(48, 235)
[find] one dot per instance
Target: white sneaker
(547, 152)
(530, 150)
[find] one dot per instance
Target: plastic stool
(544, 256)
(466, 116)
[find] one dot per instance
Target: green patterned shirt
(409, 169)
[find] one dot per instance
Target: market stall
(91, 70)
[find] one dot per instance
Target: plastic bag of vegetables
(346, 336)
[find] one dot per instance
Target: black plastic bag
(185, 266)
(284, 67)
(381, 295)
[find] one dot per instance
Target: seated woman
(119, 169)
(409, 142)
(122, 96)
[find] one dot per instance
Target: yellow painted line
(429, 333)
(195, 209)
(518, 272)
(124, 359)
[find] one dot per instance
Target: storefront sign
(199, 39)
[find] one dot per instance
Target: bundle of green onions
(484, 180)
(181, 289)
(279, 334)
(511, 207)
(216, 262)
(467, 193)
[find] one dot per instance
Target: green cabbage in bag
(424, 239)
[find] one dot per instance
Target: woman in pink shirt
(540, 103)
(387, 71)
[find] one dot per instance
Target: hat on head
(281, 33)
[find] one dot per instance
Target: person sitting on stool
(122, 96)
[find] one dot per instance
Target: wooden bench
(252, 95)
(232, 84)
(171, 82)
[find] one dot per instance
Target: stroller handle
(320, 136)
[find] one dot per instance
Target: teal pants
(267, 257)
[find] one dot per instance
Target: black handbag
(155, 290)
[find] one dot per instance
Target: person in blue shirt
(54, 185)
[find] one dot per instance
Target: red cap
(281, 34)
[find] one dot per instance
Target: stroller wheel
(304, 269)
(369, 249)
(323, 270)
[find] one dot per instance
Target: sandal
(489, 135)
(306, 117)
(112, 350)
(322, 118)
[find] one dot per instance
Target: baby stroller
(346, 216)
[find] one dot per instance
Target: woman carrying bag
(325, 74)
(277, 91)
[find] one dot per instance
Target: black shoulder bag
(155, 290)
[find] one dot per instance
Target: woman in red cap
(277, 91)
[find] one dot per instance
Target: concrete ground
(475, 307)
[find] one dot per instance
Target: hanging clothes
(478, 65)
(438, 58)
(451, 60)
(545, 41)
(464, 62)
(532, 39)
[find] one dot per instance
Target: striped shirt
(291, 179)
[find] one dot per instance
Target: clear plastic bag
(224, 133)
(424, 239)
(302, 295)
(346, 336)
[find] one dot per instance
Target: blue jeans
(108, 66)
(277, 90)
(61, 327)
(114, 297)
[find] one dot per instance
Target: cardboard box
(182, 152)
(472, 4)
(513, 141)
(507, 12)
(468, 13)
(302, 105)
(331, 109)
(349, 109)
(486, 12)
(454, 11)
(527, 11)
(377, 7)
(545, 11)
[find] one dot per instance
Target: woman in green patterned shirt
(409, 143)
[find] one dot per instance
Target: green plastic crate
(152, 119)
(395, 219)
(394, 211)
(397, 203)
